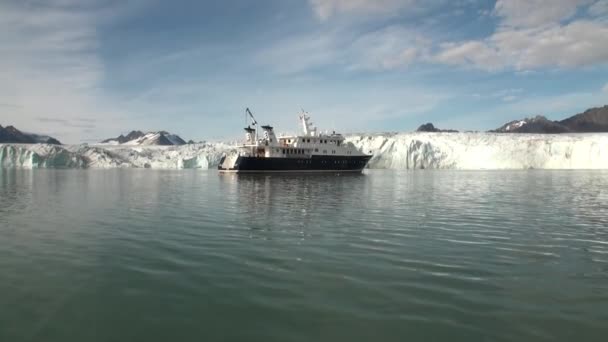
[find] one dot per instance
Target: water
(145, 255)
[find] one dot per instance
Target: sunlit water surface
(142, 255)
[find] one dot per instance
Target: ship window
(316, 150)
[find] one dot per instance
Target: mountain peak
(429, 127)
(10, 134)
(591, 120)
(162, 138)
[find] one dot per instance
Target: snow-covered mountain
(161, 138)
(421, 150)
(592, 120)
(537, 124)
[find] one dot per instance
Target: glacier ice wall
(193, 156)
(472, 151)
(39, 156)
(478, 151)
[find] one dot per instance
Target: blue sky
(83, 70)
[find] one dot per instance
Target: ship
(313, 151)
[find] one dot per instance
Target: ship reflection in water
(267, 199)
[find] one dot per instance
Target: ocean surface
(144, 255)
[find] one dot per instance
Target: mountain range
(10, 134)
(161, 138)
(591, 120)
(429, 127)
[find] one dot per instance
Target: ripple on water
(443, 255)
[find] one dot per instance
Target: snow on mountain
(421, 150)
(592, 120)
(121, 139)
(139, 138)
(537, 124)
(515, 125)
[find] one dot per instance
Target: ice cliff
(201, 156)
(418, 150)
(478, 151)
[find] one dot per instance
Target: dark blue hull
(312, 164)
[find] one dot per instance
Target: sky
(84, 70)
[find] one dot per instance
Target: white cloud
(580, 43)
(477, 53)
(300, 53)
(50, 70)
(531, 34)
(324, 9)
(600, 8)
(605, 88)
(535, 13)
(389, 48)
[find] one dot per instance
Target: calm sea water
(143, 255)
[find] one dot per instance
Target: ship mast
(309, 128)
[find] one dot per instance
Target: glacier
(484, 151)
(418, 150)
(195, 156)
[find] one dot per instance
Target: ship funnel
(269, 133)
(249, 135)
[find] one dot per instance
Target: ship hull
(327, 164)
